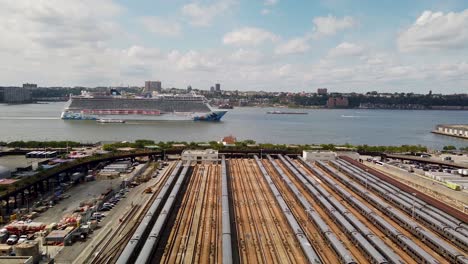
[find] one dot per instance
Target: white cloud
(293, 46)
(284, 70)
(346, 49)
(57, 23)
(66, 38)
(203, 15)
(161, 26)
(58, 42)
(270, 2)
(243, 56)
(265, 11)
(140, 52)
(192, 61)
(268, 5)
(249, 36)
(330, 25)
(436, 30)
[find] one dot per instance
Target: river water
(372, 127)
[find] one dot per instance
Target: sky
(269, 45)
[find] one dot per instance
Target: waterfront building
(218, 87)
(337, 102)
(452, 130)
(322, 91)
(152, 86)
(15, 95)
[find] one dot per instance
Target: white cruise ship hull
(66, 115)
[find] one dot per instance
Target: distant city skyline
(271, 45)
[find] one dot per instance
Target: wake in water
(351, 116)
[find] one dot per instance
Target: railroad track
(114, 244)
(392, 223)
(312, 232)
(334, 227)
(404, 234)
(285, 241)
(194, 237)
(401, 253)
(263, 233)
(436, 241)
(266, 195)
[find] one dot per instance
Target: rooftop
(200, 151)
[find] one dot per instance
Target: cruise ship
(88, 106)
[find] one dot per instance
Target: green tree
(449, 147)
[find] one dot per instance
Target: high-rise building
(322, 91)
(152, 86)
(212, 89)
(218, 87)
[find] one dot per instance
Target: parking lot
(79, 193)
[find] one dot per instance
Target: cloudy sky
(272, 45)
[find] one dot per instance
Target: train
(308, 250)
(149, 245)
(136, 242)
(444, 224)
(440, 246)
(384, 255)
(372, 254)
(343, 253)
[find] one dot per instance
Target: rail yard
(281, 209)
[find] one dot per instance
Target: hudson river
(372, 127)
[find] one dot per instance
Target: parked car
(95, 218)
(13, 239)
(105, 208)
(22, 238)
(99, 215)
(114, 201)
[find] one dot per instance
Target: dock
(458, 131)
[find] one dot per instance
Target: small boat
(286, 113)
(110, 121)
